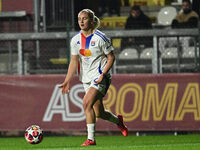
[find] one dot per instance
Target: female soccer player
(93, 51)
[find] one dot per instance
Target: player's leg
(102, 113)
(106, 115)
(88, 102)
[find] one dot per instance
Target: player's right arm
(71, 71)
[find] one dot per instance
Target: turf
(164, 142)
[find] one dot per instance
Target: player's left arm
(110, 61)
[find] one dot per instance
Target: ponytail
(96, 22)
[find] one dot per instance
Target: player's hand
(65, 87)
(100, 79)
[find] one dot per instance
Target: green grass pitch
(156, 142)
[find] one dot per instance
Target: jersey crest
(92, 43)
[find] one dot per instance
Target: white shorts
(102, 87)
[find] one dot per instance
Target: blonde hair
(94, 19)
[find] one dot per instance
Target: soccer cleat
(121, 126)
(88, 143)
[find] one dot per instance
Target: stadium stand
(170, 53)
(129, 53)
(146, 53)
(189, 52)
(166, 15)
(51, 56)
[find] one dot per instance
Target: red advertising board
(148, 102)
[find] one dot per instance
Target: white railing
(155, 33)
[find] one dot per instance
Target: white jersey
(92, 52)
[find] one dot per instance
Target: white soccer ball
(34, 134)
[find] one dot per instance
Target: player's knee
(86, 105)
